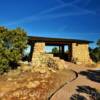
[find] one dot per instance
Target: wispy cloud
(46, 17)
(63, 15)
(38, 15)
(44, 14)
(73, 4)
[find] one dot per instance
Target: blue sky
(78, 19)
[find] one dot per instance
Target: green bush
(3, 65)
(12, 43)
(95, 53)
(55, 50)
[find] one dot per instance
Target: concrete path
(69, 89)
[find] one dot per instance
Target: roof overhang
(56, 40)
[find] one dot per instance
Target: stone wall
(80, 53)
(41, 59)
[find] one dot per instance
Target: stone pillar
(39, 48)
(80, 53)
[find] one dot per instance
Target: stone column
(80, 53)
(39, 48)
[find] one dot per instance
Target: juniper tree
(95, 53)
(12, 43)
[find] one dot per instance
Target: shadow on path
(77, 97)
(92, 93)
(93, 75)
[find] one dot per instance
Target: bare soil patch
(32, 85)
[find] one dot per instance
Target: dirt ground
(56, 85)
(32, 85)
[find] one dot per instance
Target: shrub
(55, 50)
(95, 53)
(12, 43)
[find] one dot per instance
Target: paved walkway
(69, 89)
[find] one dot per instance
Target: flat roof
(47, 39)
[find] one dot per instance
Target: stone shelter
(77, 49)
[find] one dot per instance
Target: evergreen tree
(95, 53)
(55, 50)
(12, 43)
